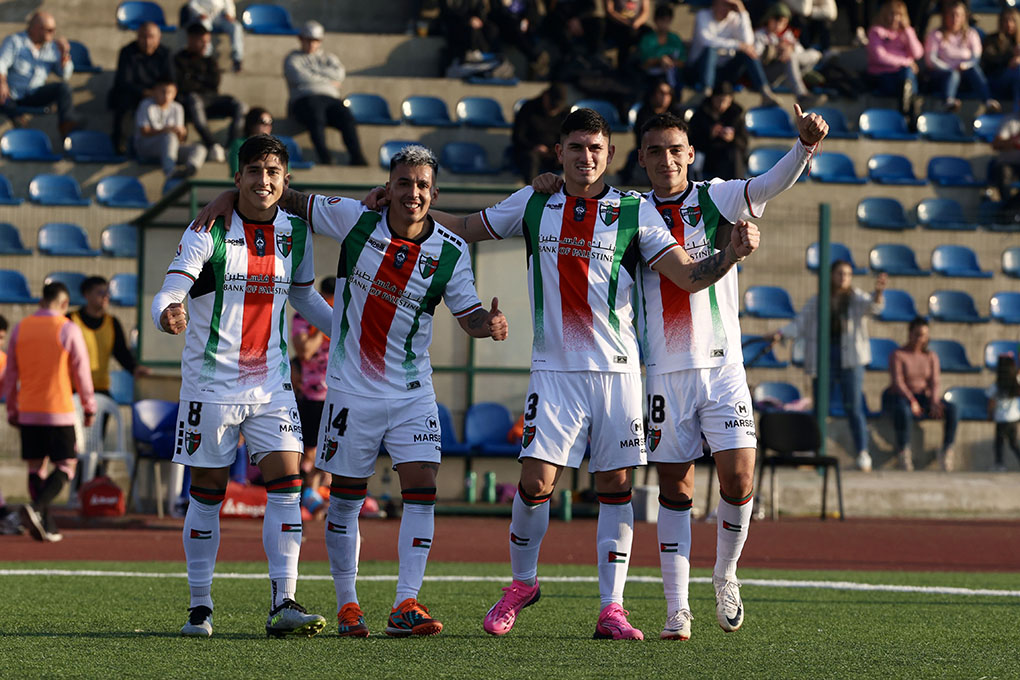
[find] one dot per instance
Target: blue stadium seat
(987, 126)
(988, 6)
(481, 112)
(951, 171)
(91, 146)
(452, 446)
(1005, 307)
(122, 387)
(834, 167)
(14, 288)
(757, 353)
(1011, 262)
(420, 110)
(7, 196)
(881, 351)
(971, 402)
(996, 348)
(73, 281)
(895, 259)
(952, 356)
(838, 128)
(267, 20)
(27, 144)
(880, 212)
(65, 239)
(768, 302)
(891, 168)
(885, 124)
(132, 14)
(944, 214)
(389, 149)
(993, 217)
(961, 261)
(465, 158)
(837, 251)
(954, 306)
(124, 289)
(10, 240)
(942, 127)
(120, 191)
(770, 121)
(119, 240)
(81, 58)
(774, 394)
(369, 109)
(899, 306)
(486, 426)
(153, 429)
(762, 159)
(296, 160)
(47, 189)
(605, 109)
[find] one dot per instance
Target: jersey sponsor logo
(295, 416)
(427, 265)
(192, 440)
(630, 443)
(691, 214)
(739, 422)
(329, 447)
(428, 437)
(553, 206)
(529, 436)
(616, 557)
(284, 243)
(400, 257)
(637, 427)
(580, 210)
(421, 543)
(741, 409)
(234, 241)
(654, 437)
(290, 427)
(260, 243)
(376, 243)
(333, 200)
(609, 213)
(180, 249)
(432, 424)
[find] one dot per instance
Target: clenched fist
(174, 319)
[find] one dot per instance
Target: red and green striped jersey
(681, 330)
(583, 257)
(387, 291)
(235, 348)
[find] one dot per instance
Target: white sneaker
(199, 622)
(864, 461)
(729, 610)
(217, 154)
(678, 626)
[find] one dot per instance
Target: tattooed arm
(486, 323)
(295, 202)
(692, 276)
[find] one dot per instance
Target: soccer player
(395, 267)
(236, 375)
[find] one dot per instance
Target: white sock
(615, 537)
(342, 546)
(281, 535)
(674, 531)
(733, 519)
(417, 527)
(202, 542)
(529, 521)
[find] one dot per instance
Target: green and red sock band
(678, 506)
(615, 498)
(288, 484)
(207, 496)
(737, 501)
(426, 495)
(348, 492)
(532, 500)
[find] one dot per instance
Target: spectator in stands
(914, 393)
(104, 336)
(160, 133)
(718, 128)
(47, 358)
(537, 131)
(1004, 169)
(659, 98)
(577, 27)
(314, 78)
(516, 23)
(1000, 58)
(26, 60)
(140, 65)
(813, 20)
(1004, 408)
(218, 15)
(625, 22)
(258, 122)
(198, 85)
(952, 53)
(723, 50)
(661, 51)
(893, 51)
(782, 55)
(464, 25)
(849, 348)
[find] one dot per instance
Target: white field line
(762, 583)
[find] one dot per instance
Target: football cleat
(290, 618)
(411, 618)
(350, 621)
(613, 625)
(503, 615)
(199, 622)
(729, 610)
(33, 521)
(678, 626)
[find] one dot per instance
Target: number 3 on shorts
(339, 423)
(531, 406)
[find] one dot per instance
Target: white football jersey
(583, 258)
(235, 347)
(382, 314)
(681, 330)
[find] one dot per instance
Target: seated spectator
(576, 27)
(914, 394)
(625, 22)
(140, 65)
(314, 78)
(1004, 168)
(719, 135)
(723, 50)
(26, 60)
(198, 84)
(537, 132)
(661, 51)
(813, 20)
(258, 122)
(1000, 58)
(218, 15)
(160, 133)
(893, 51)
(952, 53)
(1004, 408)
(659, 98)
(515, 23)
(782, 55)
(464, 25)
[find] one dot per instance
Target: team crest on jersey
(654, 437)
(284, 243)
(260, 243)
(609, 213)
(192, 440)
(529, 436)
(400, 257)
(667, 217)
(691, 214)
(427, 265)
(329, 449)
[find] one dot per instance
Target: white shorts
(684, 404)
(354, 426)
(207, 434)
(564, 408)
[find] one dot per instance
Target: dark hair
(3, 323)
(556, 92)
(164, 81)
(584, 120)
(196, 27)
(664, 121)
(663, 11)
(258, 147)
(1005, 376)
(916, 322)
(91, 282)
(840, 263)
(415, 156)
(328, 285)
(253, 118)
(52, 290)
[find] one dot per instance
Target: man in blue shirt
(26, 60)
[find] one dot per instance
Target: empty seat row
(884, 168)
(256, 18)
(61, 238)
(14, 287)
(115, 191)
(458, 157)
(876, 123)
(944, 214)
